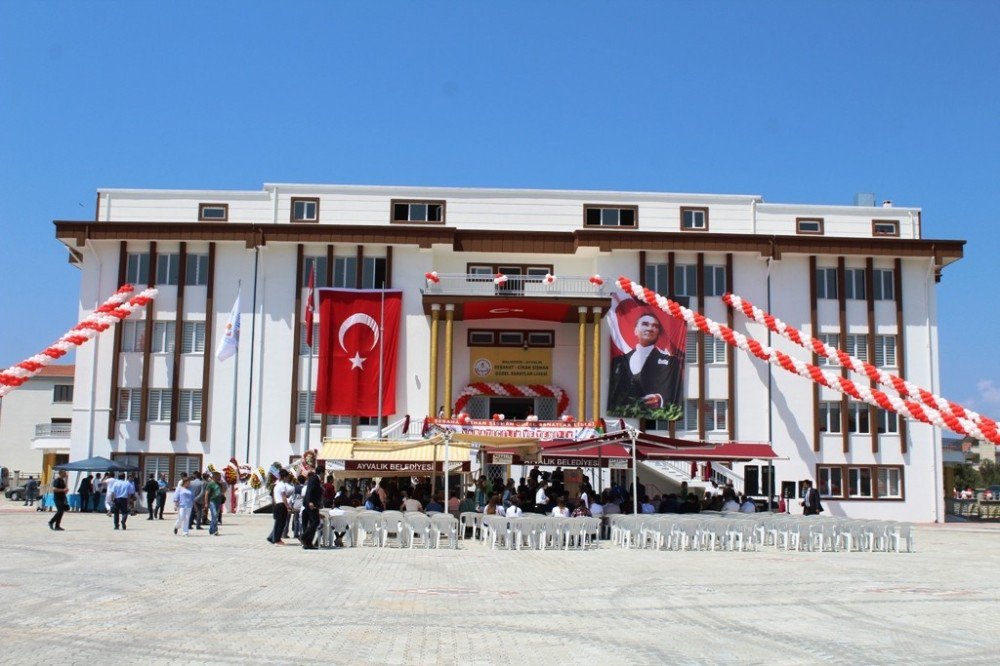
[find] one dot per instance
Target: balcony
(51, 436)
(483, 296)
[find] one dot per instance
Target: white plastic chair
(470, 520)
(444, 526)
(392, 527)
(898, 534)
(344, 524)
(369, 525)
(415, 525)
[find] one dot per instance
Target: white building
(35, 423)
(861, 276)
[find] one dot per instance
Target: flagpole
(381, 338)
(236, 375)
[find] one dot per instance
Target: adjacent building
(35, 422)
(860, 277)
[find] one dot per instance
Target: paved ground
(91, 594)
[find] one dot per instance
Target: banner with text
(511, 365)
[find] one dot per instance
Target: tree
(989, 473)
(966, 476)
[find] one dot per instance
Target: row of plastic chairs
(537, 532)
(385, 528)
(813, 533)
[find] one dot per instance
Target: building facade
(35, 422)
(860, 277)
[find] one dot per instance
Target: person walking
(281, 492)
(151, 488)
(312, 500)
(214, 497)
(810, 501)
(161, 495)
(59, 489)
(119, 494)
(183, 501)
(197, 485)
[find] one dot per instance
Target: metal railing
(462, 284)
(52, 430)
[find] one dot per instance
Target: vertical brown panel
(116, 346)
(359, 266)
(700, 277)
(670, 292)
(814, 324)
(330, 259)
(296, 336)
(388, 267)
(206, 372)
(642, 267)
(870, 298)
(731, 365)
(175, 375)
(900, 341)
(144, 400)
(842, 302)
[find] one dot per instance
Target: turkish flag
(354, 325)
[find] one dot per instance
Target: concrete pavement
(92, 594)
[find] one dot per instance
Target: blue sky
(797, 102)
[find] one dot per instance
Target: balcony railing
(461, 284)
(52, 430)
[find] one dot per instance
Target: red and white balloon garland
(113, 310)
(516, 390)
(903, 387)
(880, 399)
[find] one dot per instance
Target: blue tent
(97, 464)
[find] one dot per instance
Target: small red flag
(311, 306)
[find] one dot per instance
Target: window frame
(884, 284)
(303, 200)
(694, 209)
(715, 286)
(194, 326)
(885, 234)
(133, 398)
(186, 400)
(799, 230)
(830, 340)
(682, 273)
(424, 202)
(829, 414)
(883, 347)
(141, 259)
(160, 402)
(196, 270)
(203, 206)
(56, 394)
(853, 277)
(857, 416)
(617, 207)
(824, 283)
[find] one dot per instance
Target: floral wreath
(514, 390)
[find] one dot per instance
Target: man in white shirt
(282, 494)
(119, 493)
(748, 505)
(410, 504)
(541, 498)
(596, 508)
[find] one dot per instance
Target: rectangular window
(167, 268)
(694, 219)
(888, 422)
(159, 405)
(196, 270)
(716, 412)
(830, 481)
(610, 216)
(427, 212)
(715, 280)
(830, 340)
(129, 403)
(303, 347)
(809, 225)
(885, 284)
(857, 346)
(210, 212)
(885, 351)
(134, 336)
(186, 465)
(689, 421)
(189, 410)
(829, 416)
(137, 269)
(482, 338)
(854, 284)
(885, 228)
(345, 272)
(691, 347)
(751, 479)
(656, 278)
(307, 265)
(715, 350)
(857, 418)
(541, 339)
(890, 485)
(826, 283)
(163, 337)
(156, 465)
(314, 417)
(62, 393)
(305, 209)
(373, 273)
(859, 482)
(685, 280)
(511, 338)
(193, 337)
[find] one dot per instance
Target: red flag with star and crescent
(354, 324)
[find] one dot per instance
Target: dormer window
(213, 212)
(694, 219)
(885, 228)
(611, 216)
(305, 210)
(419, 212)
(809, 225)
